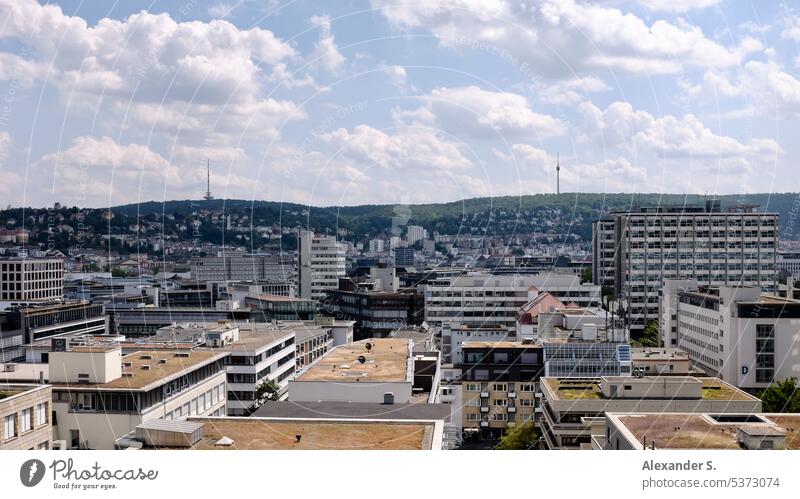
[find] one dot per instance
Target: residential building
(99, 395)
(739, 334)
(737, 247)
(376, 245)
(569, 405)
(30, 280)
(499, 381)
(706, 431)
(321, 263)
(25, 415)
(415, 233)
(479, 298)
(789, 263)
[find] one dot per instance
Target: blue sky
(394, 102)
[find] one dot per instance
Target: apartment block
(569, 405)
(268, 267)
(739, 334)
(498, 386)
(455, 334)
(25, 413)
(736, 247)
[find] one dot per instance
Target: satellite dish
(361, 359)
(369, 346)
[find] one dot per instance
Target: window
(526, 387)
(27, 420)
(500, 402)
(526, 402)
(473, 402)
(472, 416)
(473, 387)
(42, 446)
(500, 416)
(500, 387)
(41, 414)
(10, 427)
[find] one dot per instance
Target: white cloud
(560, 37)
(150, 61)
(221, 10)
(5, 146)
(639, 131)
(482, 113)
(679, 6)
(407, 148)
(570, 92)
(397, 77)
(792, 30)
(326, 55)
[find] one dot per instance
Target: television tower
(558, 174)
(208, 196)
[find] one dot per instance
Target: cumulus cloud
(326, 54)
(570, 92)
(482, 113)
(559, 37)
(678, 6)
(147, 61)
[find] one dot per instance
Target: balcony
(484, 409)
(484, 424)
(511, 408)
(485, 395)
(512, 395)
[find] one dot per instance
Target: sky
(385, 102)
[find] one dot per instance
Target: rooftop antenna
(558, 174)
(208, 196)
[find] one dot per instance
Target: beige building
(100, 395)
(661, 361)
(569, 405)
(25, 417)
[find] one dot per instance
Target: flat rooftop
(499, 344)
(251, 340)
(701, 431)
(142, 378)
(387, 360)
(275, 434)
(580, 389)
(354, 410)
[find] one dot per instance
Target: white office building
(30, 280)
(482, 298)
(738, 334)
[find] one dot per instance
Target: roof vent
(182, 354)
(368, 346)
(224, 442)
(297, 438)
(127, 375)
(361, 359)
(146, 357)
(145, 367)
(162, 361)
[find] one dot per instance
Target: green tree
(523, 437)
(118, 272)
(586, 274)
(265, 392)
(781, 396)
(650, 336)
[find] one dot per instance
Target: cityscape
(454, 227)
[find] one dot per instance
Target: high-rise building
(415, 233)
(404, 257)
(321, 262)
(30, 280)
(267, 267)
(376, 246)
(637, 250)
